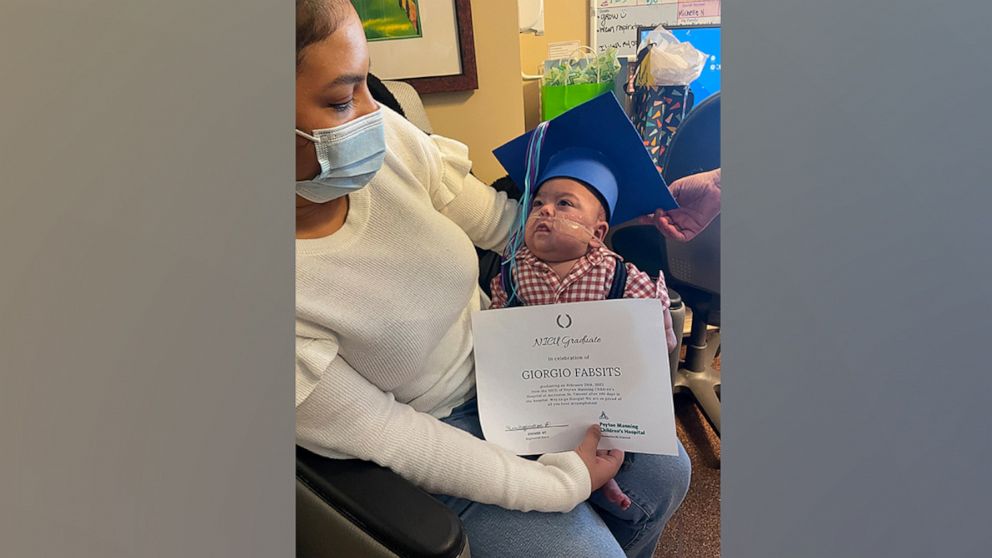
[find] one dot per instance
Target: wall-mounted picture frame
(426, 43)
(385, 20)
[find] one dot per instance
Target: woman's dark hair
(316, 20)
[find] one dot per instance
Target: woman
(386, 282)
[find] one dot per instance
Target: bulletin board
(614, 23)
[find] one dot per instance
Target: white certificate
(546, 373)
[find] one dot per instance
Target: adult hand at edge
(698, 196)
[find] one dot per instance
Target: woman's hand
(698, 196)
(602, 464)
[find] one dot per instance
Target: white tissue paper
(671, 62)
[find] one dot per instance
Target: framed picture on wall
(427, 43)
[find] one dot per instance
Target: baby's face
(565, 220)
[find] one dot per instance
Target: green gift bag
(556, 99)
(572, 81)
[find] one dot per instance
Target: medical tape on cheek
(568, 227)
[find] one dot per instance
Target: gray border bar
(856, 279)
(146, 283)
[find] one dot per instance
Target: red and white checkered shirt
(589, 279)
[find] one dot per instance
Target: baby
(580, 190)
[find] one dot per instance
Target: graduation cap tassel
(530, 183)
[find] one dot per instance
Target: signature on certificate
(525, 427)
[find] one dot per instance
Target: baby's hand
(602, 464)
(611, 490)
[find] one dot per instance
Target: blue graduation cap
(595, 143)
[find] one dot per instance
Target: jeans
(596, 528)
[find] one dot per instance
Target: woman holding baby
(387, 277)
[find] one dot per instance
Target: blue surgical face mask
(349, 156)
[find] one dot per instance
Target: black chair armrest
(386, 507)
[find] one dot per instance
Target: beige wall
(503, 106)
(564, 20)
(494, 113)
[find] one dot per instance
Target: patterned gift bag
(661, 95)
(657, 111)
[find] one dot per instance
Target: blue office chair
(692, 269)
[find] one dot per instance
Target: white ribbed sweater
(383, 334)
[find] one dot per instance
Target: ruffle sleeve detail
(313, 357)
(455, 167)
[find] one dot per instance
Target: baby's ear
(599, 233)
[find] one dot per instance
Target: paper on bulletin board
(564, 49)
(615, 22)
(698, 12)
